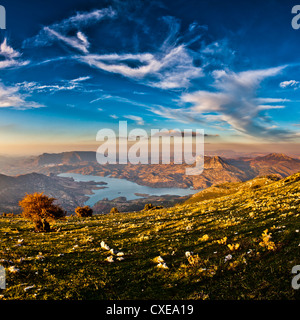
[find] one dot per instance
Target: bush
(150, 206)
(114, 210)
(42, 225)
(40, 209)
(84, 211)
(8, 215)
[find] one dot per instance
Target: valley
(236, 241)
(40, 174)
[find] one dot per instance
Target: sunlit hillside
(240, 243)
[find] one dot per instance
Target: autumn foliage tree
(114, 210)
(84, 211)
(40, 209)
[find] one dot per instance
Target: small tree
(40, 209)
(114, 210)
(148, 206)
(84, 211)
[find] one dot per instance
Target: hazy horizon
(290, 150)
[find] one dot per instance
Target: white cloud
(86, 18)
(269, 107)
(171, 69)
(233, 102)
(139, 120)
(7, 51)
(116, 63)
(118, 99)
(290, 83)
(10, 97)
(74, 23)
(79, 42)
(217, 54)
(271, 100)
(171, 66)
(11, 56)
(80, 79)
(63, 85)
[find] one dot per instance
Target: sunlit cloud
(139, 120)
(234, 102)
(10, 97)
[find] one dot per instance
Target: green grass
(69, 263)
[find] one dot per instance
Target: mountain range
(39, 174)
(216, 169)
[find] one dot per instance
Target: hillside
(241, 245)
(225, 189)
(68, 193)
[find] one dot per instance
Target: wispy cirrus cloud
(10, 97)
(104, 97)
(63, 85)
(79, 41)
(11, 57)
(173, 64)
(138, 120)
(169, 69)
(170, 66)
(234, 102)
(58, 31)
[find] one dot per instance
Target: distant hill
(274, 157)
(72, 157)
(68, 193)
(216, 169)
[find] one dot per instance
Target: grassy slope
(73, 264)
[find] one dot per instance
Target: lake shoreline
(109, 188)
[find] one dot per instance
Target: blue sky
(71, 68)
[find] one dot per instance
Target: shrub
(114, 210)
(84, 211)
(8, 215)
(40, 209)
(42, 225)
(150, 206)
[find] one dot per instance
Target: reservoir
(115, 188)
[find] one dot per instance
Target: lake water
(123, 188)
